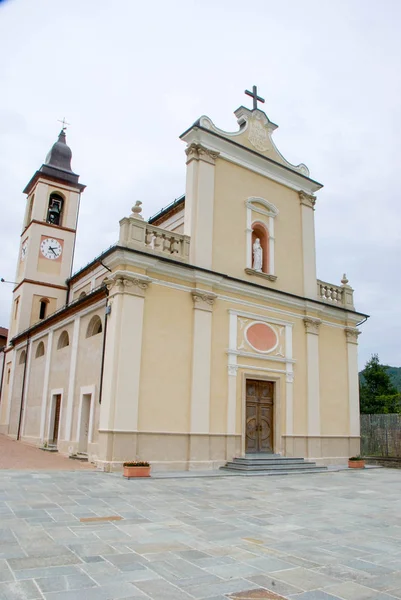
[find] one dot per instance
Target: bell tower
(47, 239)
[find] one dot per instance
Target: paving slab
(317, 537)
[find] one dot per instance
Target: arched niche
(94, 326)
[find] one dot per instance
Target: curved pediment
(255, 132)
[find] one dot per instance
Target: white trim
(232, 374)
(218, 282)
(262, 318)
(49, 348)
(88, 390)
(271, 209)
(244, 157)
(53, 393)
(11, 386)
(264, 369)
(313, 383)
(27, 376)
(246, 354)
(271, 245)
(166, 432)
(71, 378)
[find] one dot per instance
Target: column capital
(352, 333)
(196, 151)
(122, 282)
(232, 370)
(203, 300)
(307, 199)
(312, 325)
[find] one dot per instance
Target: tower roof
(60, 154)
(57, 165)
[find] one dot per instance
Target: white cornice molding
(244, 157)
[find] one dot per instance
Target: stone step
(275, 472)
(289, 466)
(268, 461)
(270, 464)
(49, 448)
(82, 456)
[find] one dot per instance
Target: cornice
(234, 152)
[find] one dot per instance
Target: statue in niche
(257, 255)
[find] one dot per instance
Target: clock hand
(52, 249)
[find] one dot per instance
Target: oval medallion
(261, 337)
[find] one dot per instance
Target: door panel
(56, 418)
(259, 416)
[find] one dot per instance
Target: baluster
(175, 246)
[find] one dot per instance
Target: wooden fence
(381, 435)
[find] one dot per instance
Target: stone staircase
(271, 464)
(82, 456)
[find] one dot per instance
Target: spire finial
(64, 122)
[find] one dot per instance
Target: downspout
(23, 389)
(2, 371)
(106, 314)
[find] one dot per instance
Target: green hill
(395, 376)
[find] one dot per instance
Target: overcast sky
(130, 76)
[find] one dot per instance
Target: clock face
(51, 248)
(24, 249)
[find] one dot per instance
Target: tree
(376, 388)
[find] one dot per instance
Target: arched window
(63, 340)
(94, 326)
(22, 357)
(40, 350)
(55, 209)
(43, 308)
(259, 232)
(82, 295)
(29, 210)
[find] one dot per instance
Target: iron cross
(64, 122)
(254, 95)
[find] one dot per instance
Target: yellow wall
(233, 186)
(166, 356)
(333, 381)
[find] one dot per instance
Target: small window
(63, 340)
(43, 308)
(8, 375)
(16, 303)
(94, 326)
(40, 350)
(22, 358)
(82, 295)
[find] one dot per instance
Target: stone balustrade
(338, 295)
(138, 234)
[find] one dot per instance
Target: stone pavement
(307, 537)
(17, 455)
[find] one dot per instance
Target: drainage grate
(259, 593)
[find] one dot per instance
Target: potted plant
(136, 468)
(356, 462)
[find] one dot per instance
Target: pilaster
(351, 335)
(49, 352)
(201, 361)
(71, 379)
(122, 363)
(313, 383)
(307, 203)
(199, 203)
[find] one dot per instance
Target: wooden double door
(259, 416)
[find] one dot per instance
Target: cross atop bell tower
(47, 239)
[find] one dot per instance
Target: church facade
(201, 335)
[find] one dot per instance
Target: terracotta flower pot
(356, 464)
(136, 472)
